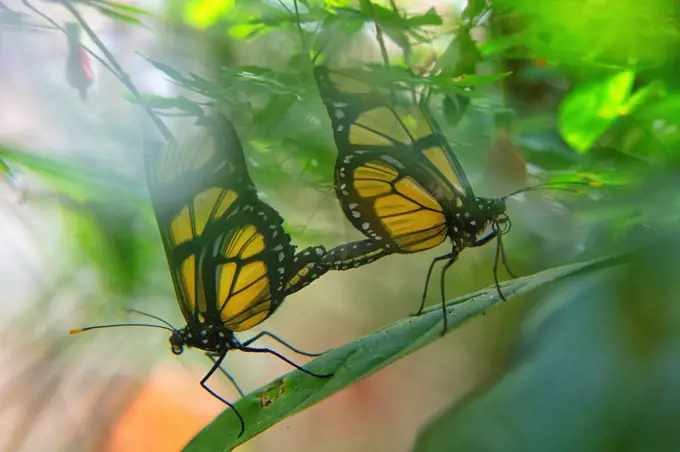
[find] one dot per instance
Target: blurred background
(528, 92)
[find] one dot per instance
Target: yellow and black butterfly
(230, 260)
(396, 177)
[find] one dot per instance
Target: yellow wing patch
(411, 216)
(242, 290)
(251, 317)
(191, 220)
(422, 240)
(180, 227)
(414, 122)
(393, 205)
(437, 156)
(250, 273)
(412, 190)
(378, 127)
(188, 272)
(370, 189)
(384, 126)
(226, 274)
(253, 291)
(409, 223)
(245, 242)
(244, 295)
(350, 85)
(375, 171)
(212, 203)
(373, 179)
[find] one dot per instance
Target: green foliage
(590, 109)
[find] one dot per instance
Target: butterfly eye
(502, 224)
(176, 344)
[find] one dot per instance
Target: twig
(112, 65)
(66, 32)
(378, 35)
(124, 77)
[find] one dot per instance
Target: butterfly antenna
(155, 317)
(116, 325)
(166, 325)
(553, 186)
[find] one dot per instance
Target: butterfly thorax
(470, 223)
(211, 337)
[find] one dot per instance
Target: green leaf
(122, 7)
(429, 18)
(168, 103)
(643, 95)
(454, 107)
(471, 79)
(590, 109)
(79, 179)
(204, 13)
(102, 234)
(351, 362)
(115, 15)
(461, 55)
(474, 9)
(170, 72)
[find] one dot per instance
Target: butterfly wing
(246, 261)
(226, 249)
(395, 175)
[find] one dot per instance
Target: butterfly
(397, 178)
(230, 260)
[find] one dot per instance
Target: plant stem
(112, 65)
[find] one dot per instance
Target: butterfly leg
(500, 256)
(503, 259)
(214, 357)
(280, 341)
(427, 280)
(217, 365)
(245, 348)
(499, 253)
(442, 283)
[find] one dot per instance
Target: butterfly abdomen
(306, 267)
(354, 254)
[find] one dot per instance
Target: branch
(66, 32)
(112, 65)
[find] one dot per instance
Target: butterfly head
(470, 227)
(177, 341)
(493, 211)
